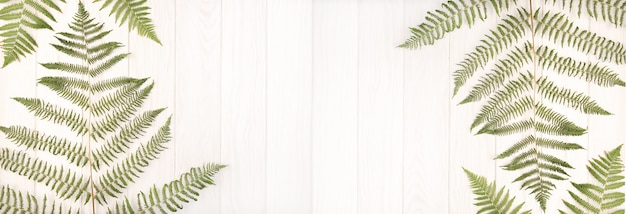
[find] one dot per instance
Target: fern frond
(542, 169)
(101, 112)
(530, 124)
(33, 139)
(510, 112)
(70, 82)
(569, 98)
(114, 181)
(511, 90)
(65, 90)
(602, 76)
(452, 16)
(65, 183)
(20, 17)
(121, 113)
(172, 196)
(108, 63)
(491, 200)
(135, 14)
(120, 142)
(558, 29)
(604, 195)
(504, 35)
(67, 67)
(117, 99)
(612, 11)
(12, 201)
(504, 69)
(56, 114)
(116, 82)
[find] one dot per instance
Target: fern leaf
(65, 90)
(504, 69)
(171, 197)
(70, 82)
(117, 99)
(567, 97)
(504, 35)
(544, 169)
(19, 17)
(491, 200)
(612, 11)
(603, 195)
(602, 76)
(102, 112)
(32, 139)
(122, 140)
(122, 113)
(61, 180)
(134, 13)
(558, 29)
(114, 83)
(114, 181)
(12, 201)
(56, 114)
(452, 16)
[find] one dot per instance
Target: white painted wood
(334, 134)
(312, 106)
(198, 94)
(426, 147)
(380, 107)
(289, 88)
(244, 106)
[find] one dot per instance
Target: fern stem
(83, 15)
(531, 16)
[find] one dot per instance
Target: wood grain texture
(313, 107)
(380, 107)
(335, 107)
(289, 88)
(199, 93)
(244, 102)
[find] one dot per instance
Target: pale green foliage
(20, 17)
(104, 112)
(135, 14)
(518, 99)
(604, 195)
(489, 199)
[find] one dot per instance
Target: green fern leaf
(134, 13)
(612, 11)
(502, 37)
(12, 201)
(117, 179)
(170, 197)
(557, 28)
(516, 101)
(491, 200)
(65, 183)
(451, 17)
(604, 195)
(32, 139)
(19, 17)
(102, 112)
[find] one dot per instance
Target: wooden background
(312, 106)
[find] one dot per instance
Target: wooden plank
(426, 120)
(334, 143)
(244, 52)
(198, 94)
(380, 107)
(289, 106)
